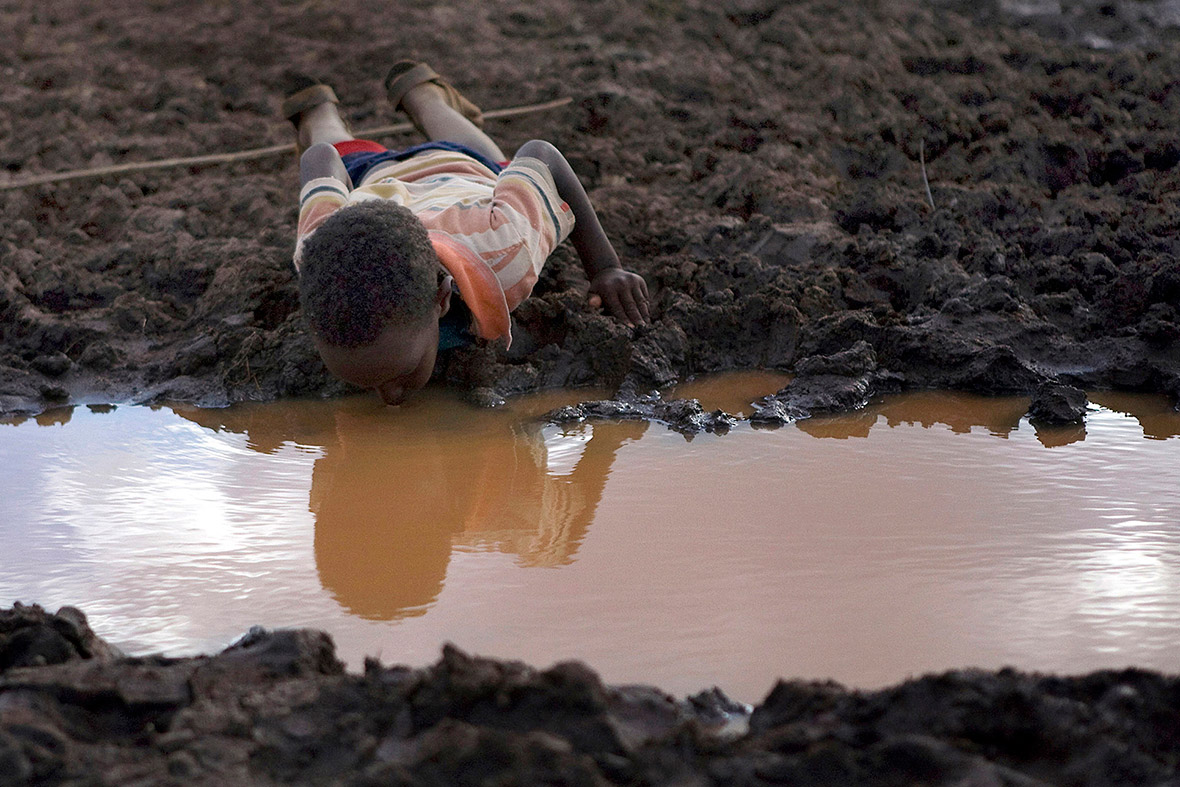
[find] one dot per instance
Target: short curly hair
(368, 266)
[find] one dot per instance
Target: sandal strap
(303, 100)
(405, 76)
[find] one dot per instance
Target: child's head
(372, 291)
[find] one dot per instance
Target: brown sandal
(306, 94)
(407, 74)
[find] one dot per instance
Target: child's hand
(623, 292)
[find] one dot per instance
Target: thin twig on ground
(246, 155)
(925, 180)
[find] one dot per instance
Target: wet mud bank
(764, 166)
(278, 707)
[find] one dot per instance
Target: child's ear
(443, 298)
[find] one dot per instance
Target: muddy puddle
(926, 532)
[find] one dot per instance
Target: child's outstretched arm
(624, 293)
(322, 160)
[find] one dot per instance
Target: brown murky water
(929, 531)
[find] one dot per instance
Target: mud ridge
(277, 707)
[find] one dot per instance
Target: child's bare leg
(321, 124)
(425, 103)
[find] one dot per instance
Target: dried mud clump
(763, 165)
(277, 708)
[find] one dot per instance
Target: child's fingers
(614, 304)
(642, 299)
(595, 300)
(631, 308)
(639, 293)
(636, 310)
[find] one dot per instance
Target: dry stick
(925, 180)
(246, 155)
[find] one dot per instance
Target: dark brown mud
(278, 708)
(764, 166)
(759, 163)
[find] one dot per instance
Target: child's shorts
(361, 155)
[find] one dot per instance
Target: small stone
(485, 397)
(565, 415)
(771, 413)
(827, 393)
(1055, 403)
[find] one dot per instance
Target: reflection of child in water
(383, 538)
(386, 238)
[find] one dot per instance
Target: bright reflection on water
(926, 532)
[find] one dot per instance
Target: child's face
(398, 363)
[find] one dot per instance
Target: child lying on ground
(387, 238)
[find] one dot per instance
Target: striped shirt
(492, 232)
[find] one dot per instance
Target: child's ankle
(419, 95)
(319, 123)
